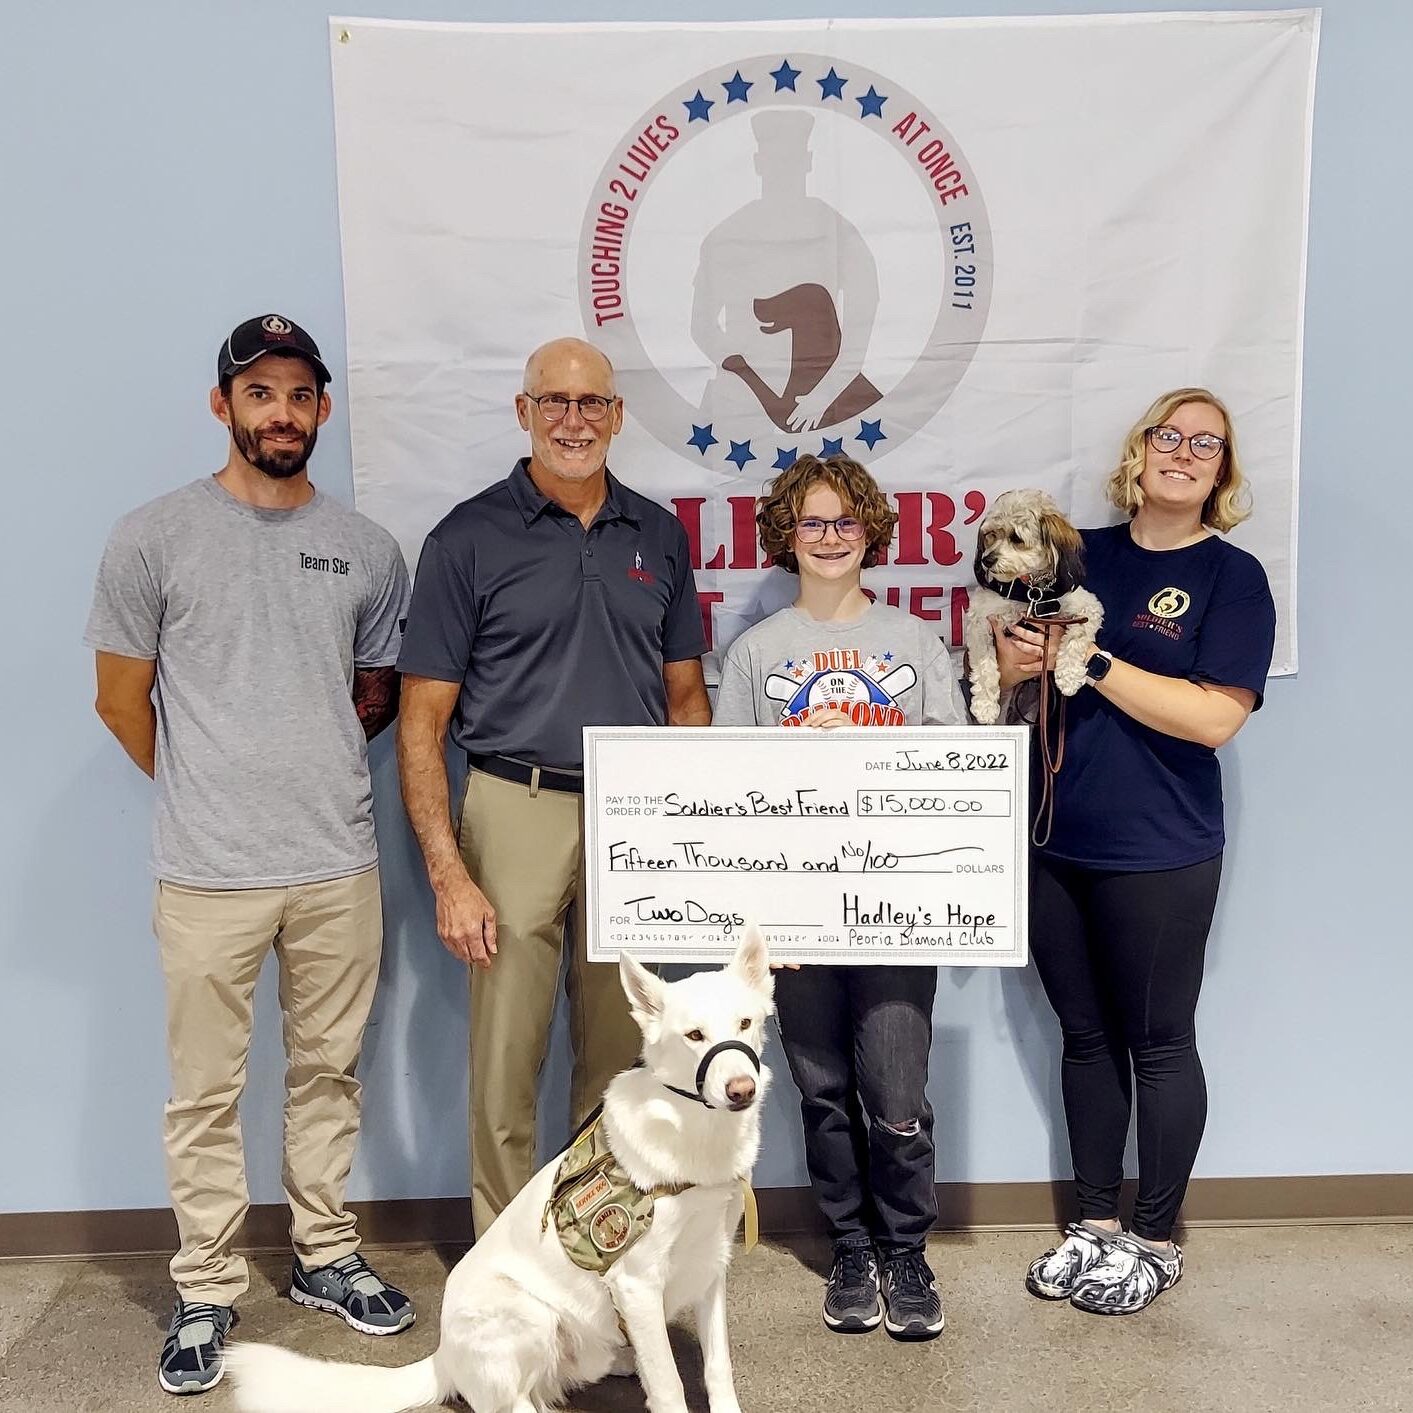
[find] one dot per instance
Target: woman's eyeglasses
(1205, 445)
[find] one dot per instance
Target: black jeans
(1120, 956)
(857, 1039)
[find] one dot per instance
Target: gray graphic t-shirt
(885, 669)
(257, 620)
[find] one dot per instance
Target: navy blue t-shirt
(1130, 798)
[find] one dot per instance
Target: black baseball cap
(267, 333)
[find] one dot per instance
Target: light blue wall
(168, 169)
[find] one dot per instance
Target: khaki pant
(329, 938)
(525, 850)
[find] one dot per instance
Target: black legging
(1120, 955)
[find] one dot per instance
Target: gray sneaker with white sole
(351, 1289)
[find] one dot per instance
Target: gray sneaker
(191, 1359)
(852, 1303)
(910, 1292)
(351, 1289)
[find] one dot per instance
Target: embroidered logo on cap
(273, 324)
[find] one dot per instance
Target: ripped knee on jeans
(909, 1128)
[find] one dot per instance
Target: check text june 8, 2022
(905, 845)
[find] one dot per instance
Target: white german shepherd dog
(522, 1323)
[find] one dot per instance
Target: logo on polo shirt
(1169, 603)
(638, 573)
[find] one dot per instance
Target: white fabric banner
(967, 252)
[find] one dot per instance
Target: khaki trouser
(329, 939)
(525, 850)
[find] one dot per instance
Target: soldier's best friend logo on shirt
(1169, 603)
(1166, 605)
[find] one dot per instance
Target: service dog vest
(595, 1206)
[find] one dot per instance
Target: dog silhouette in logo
(807, 313)
(786, 263)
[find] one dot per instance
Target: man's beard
(280, 465)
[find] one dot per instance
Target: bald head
(567, 448)
(563, 360)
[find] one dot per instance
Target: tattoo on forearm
(375, 696)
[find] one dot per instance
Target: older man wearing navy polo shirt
(554, 600)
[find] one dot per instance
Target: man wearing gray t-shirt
(246, 628)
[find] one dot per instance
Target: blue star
(871, 433)
(740, 453)
(737, 88)
(785, 76)
(871, 103)
(832, 447)
(701, 438)
(785, 457)
(831, 85)
(698, 107)
(790, 666)
(887, 657)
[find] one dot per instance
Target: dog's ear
(752, 960)
(643, 989)
(1066, 547)
(978, 567)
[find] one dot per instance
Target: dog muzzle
(717, 1049)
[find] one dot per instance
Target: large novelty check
(905, 845)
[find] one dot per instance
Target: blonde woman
(1123, 893)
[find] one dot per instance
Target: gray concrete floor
(1288, 1318)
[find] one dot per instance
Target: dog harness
(597, 1209)
(599, 1212)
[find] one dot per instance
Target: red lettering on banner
(688, 509)
(706, 601)
(917, 602)
(942, 545)
(960, 601)
(904, 129)
(939, 164)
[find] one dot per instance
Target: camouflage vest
(595, 1207)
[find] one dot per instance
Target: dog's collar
(1041, 596)
(699, 1097)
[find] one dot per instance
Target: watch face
(1097, 668)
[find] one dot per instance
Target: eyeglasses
(554, 407)
(1204, 445)
(811, 531)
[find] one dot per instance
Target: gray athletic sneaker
(911, 1294)
(351, 1289)
(191, 1359)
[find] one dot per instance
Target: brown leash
(1052, 742)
